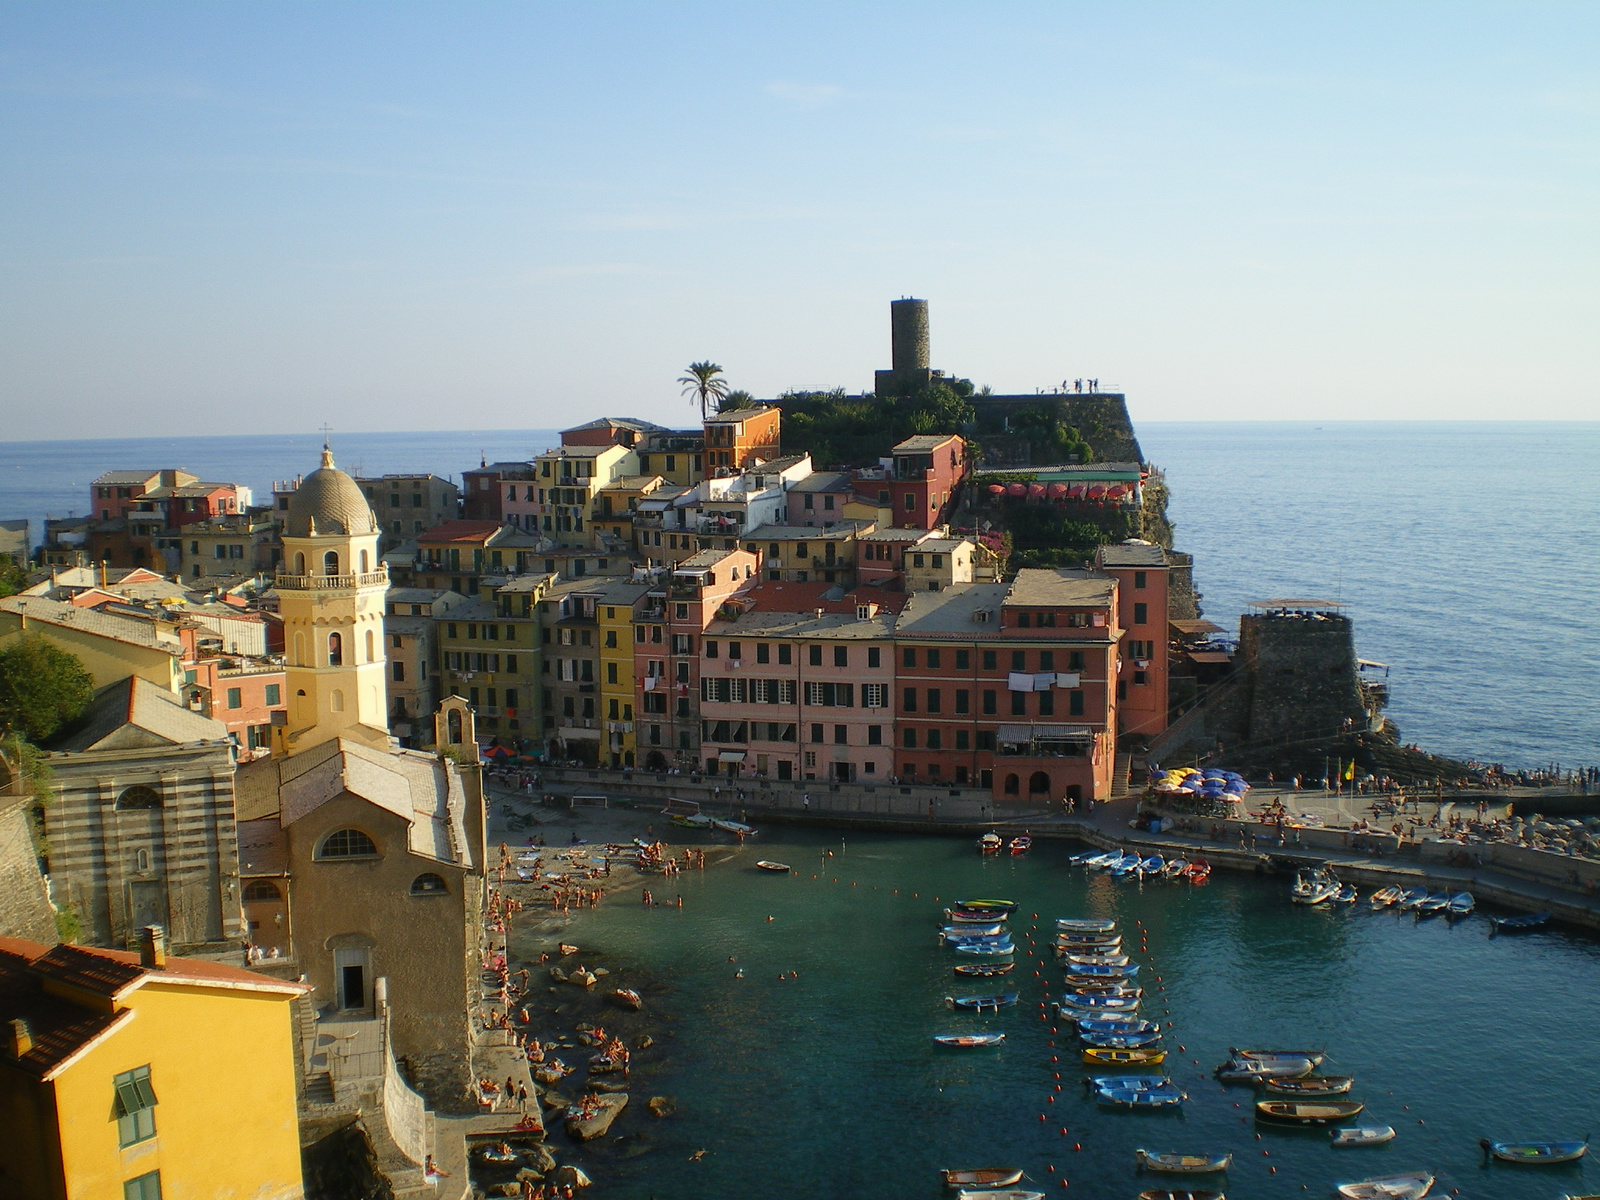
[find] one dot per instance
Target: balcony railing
(328, 583)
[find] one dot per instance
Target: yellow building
(616, 611)
(110, 647)
(130, 1076)
(490, 653)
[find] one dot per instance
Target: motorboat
(1249, 1070)
(1021, 844)
(1413, 1186)
(1461, 905)
(990, 843)
(766, 864)
(982, 1177)
(1315, 1057)
(1411, 897)
(1308, 1112)
(1520, 924)
(1361, 1135)
(1085, 925)
(1384, 897)
(980, 1003)
(1542, 1153)
(1309, 1085)
(1183, 1164)
(1136, 1056)
(985, 970)
(1314, 891)
(970, 1041)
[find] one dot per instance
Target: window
(763, 652)
(841, 656)
(985, 739)
(138, 797)
(144, 1187)
(785, 654)
(814, 655)
(1075, 704)
(1138, 579)
(816, 733)
(429, 884)
(963, 740)
(136, 1107)
(1047, 660)
(875, 695)
(874, 735)
(347, 843)
(988, 702)
(962, 701)
(839, 735)
(736, 651)
(1140, 677)
(335, 650)
(1019, 704)
(963, 660)
(988, 660)
(909, 739)
(1019, 660)
(1022, 620)
(274, 694)
(933, 700)
(874, 657)
(1013, 785)
(935, 742)
(1047, 704)
(1075, 661)
(908, 700)
(911, 501)
(908, 657)
(1141, 614)
(711, 649)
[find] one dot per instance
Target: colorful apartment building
(411, 630)
(927, 471)
(808, 554)
(677, 455)
(742, 438)
(458, 555)
(407, 505)
(820, 498)
(171, 497)
(618, 612)
(567, 482)
(224, 547)
(491, 654)
(120, 1072)
(1143, 679)
(571, 670)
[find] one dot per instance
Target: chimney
(152, 947)
(21, 1039)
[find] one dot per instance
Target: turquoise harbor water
(829, 1085)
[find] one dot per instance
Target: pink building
(927, 471)
(1142, 579)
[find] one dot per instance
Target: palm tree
(702, 384)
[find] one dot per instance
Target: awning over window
(1021, 735)
(731, 756)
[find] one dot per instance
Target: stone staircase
(1119, 775)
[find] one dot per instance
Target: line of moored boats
(1121, 864)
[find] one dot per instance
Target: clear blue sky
(230, 217)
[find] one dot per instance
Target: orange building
(742, 437)
(1142, 576)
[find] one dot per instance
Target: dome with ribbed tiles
(329, 502)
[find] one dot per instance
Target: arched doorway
(1013, 785)
(266, 914)
(1039, 784)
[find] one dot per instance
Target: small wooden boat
(735, 827)
(627, 998)
(1345, 895)
(766, 864)
(1461, 905)
(1082, 860)
(968, 916)
(985, 949)
(1021, 844)
(691, 820)
(1249, 1070)
(1183, 1164)
(998, 1194)
(990, 843)
(1108, 943)
(1100, 1004)
(1115, 1025)
(1119, 1041)
(1310, 1085)
(1164, 1095)
(1085, 925)
(1094, 985)
(1361, 1135)
(1384, 897)
(994, 909)
(1176, 868)
(979, 939)
(1101, 1056)
(985, 970)
(1181, 1194)
(1411, 897)
(1136, 1083)
(982, 1177)
(1413, 1186)
(1101, 963)
(968, 1041)
(1520, 924)
(1315, 1057)
(1199, 870)
(1308, 1112)
(979, 1003)
(1153, 865)
(1436, 902)
(1541, 1153)
(970, 930)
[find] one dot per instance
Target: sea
(1467, 553)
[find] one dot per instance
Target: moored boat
(1435, 902)
(990, 843)
(1412, 1186)
(1541, 1153)
(1249, 1070)
(1119, 1041)
(1520, 924)
(979, 1003)
(985, 949)
(1310, 1085)
(998, 1194)
(1181, 1194)
(1411, 897)
(971, 930)
(1384, 897)
(1361, 1135)
(1085, 925)
(967, 916)
(1461, 904)
(968, 1041)
(1183, 1164)
(1021, 844)
(734, 827)
(1102, 962)
(1102, 1056)
(1153, 865)
(1092, 985)
(1115, 1025)
(985, 970)
(1314, 1056)
(1307, 1112)
(1137, 1093)
(1099, 1004)
(1199, 870)
(982, 1177)
(766, 864)
(995, 909)
(1345, 895)
(1176, 868)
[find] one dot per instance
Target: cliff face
(1102, 420)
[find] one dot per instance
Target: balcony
(330, 583)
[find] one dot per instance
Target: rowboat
(1124, 866)
(1175, 868)
(999, 1194)
(1461, 904)
(990, 843)
(985, 949)
(1184, 1194)
(967, 1041)
(1098, 861)
(967, 916)
(1162, 1095)
(1085, 925)
(979, 1003)
(1436, 902)
(1536, 1152)
(1345, 895)
(1315, 1057)
(1199, 870)
(1388, 1187)
(1108, 943)
(985, 970)
(1101, 962)
(1307, 1112)
(1249, 1070)
(1119, 1041)
(1183, 1164)
(1101, 1056)
(1003, 940)
(1384, 897)
(1137, 1083)
(1101, 1003)
(1090, 985)
(1314, 892)
(1021, 844)
(1310, 1085)
(1083, 859)
(1411, 897)
(766, 864)
(691, 820)
(971, 930)
(1520, 924)
(1152, 865)
(1115, 1025)
(994, 909)
(982, 1177)
(1361, 1135)
(738, 827)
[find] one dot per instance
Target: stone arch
(346, 843)
(1039, 783)
(330, 563)
(1013, 785)
(452, 722)
(336, 701)
(336, 649)
(138, 797)
(300, 563)
(262, 889)
(429, 884)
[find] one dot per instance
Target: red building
(927, 471)
(1142, 576)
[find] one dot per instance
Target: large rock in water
(607, 1107)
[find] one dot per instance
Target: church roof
(134, 713)
(328, 501)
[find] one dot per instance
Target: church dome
(328, 501)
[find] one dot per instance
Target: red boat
(1199, 870)
(1021, 845)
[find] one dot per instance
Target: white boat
(1098, 960)
(1249, 1070)
(1085, 925)
(1362, 1135)
(998, 1194)
(1315, 893)
(1412, 1186)
(732, 826)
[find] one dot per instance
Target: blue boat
(1436, 902)
(985, 949)
(1537, 1153)
(963, 933)
(1520, 924)
(1135, 1083)
(1124, 868)
(1152, 865)
(1119, 1041)
(1461, 905)
(980, 1003)
(1115, 1025)
(1099, 971)
(1136, 1091)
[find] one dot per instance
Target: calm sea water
(829, 1085)
(1466, 551)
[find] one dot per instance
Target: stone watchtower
(908, 332)
(331, 598)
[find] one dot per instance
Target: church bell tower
(331, 591)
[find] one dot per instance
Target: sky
(220, 218)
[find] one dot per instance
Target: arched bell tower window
(453, 725)
(299, 564)
(138, 797)
(372, 655)
(335, 650)
(364, 563)
(330, 563)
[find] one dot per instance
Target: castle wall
(1303, 669)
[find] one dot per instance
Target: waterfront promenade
(1510, 876)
